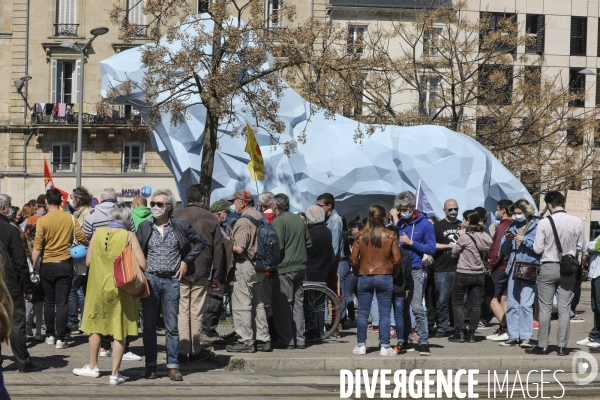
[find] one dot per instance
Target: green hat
(220, 205)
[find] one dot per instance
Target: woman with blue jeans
(518, 242)
(374, 255)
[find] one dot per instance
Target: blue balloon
(146, 191)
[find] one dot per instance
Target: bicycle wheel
(322, 311)
(225, 329)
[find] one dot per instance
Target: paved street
(310, 373)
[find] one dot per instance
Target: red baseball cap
(243, 194)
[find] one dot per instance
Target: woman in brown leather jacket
(374, 254)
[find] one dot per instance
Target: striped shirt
(98, 217)
(570, 233)
(245, 233)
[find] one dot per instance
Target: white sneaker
(577, 318)
(87, 371)
(360, 350)
(584, 342)
(116, 380)
(594, 344)
(494, 335)
(129, 356)
(50, 340)
(105, 353)
(62, 344)
(501, 337)
(387, 351)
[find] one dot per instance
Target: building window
(428, 101)
(596, 190)
(534, 26)
(502, 23)
(431, 42)
(135, 16)
(495, 85)
(65, 18)
(203, 6)
(133, 157)
(64, 83)
(578, 36)
(574, 133)
(62, 157)
(576, 85)
(273, 16)
(356, 39)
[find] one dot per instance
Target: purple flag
(423, 204)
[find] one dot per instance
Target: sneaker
(87, 371)
(414, 336)
(536, 325)
(50, 340)
(129, 356)
(424, 350)
(73, 329)
(393, 333)
(584, 342)
(29, 330)
(373, 328)
(62, 344)
(577, 318)
(501, 337)
(116, 380)
(496, 333)
(527, 344)
(397, 348)
(360, 350)
(387, 352)
(510, 342)
(482, 325)
(38, 338)
(260, 346)
(440, 334)
(594, 344)
(30, 367)
(105, 353)
(241, 347)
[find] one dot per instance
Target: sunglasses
(159, 204)
(452, 209)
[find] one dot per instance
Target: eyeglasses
(322, 205)
(159, 204)
(452, 209)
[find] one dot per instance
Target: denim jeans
(77, 298)
(443, 295)
(163, 291)
(519, 311)
(416, 303)
(401, 314)
(347, 285)
(382, 286)
(595, 332)
(375, 313)
(472, 284)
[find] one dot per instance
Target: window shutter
(65, 11)
(53, 82)
(597, 88)
(76, 79)
(541, 29)
(574, 35)
(134, 7)
(583, 36)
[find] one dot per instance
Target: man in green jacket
(140, 211)
(288, 292)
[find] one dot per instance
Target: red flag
(49, 184)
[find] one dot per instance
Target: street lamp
(587, 71)
(97, 31)
(21, 81)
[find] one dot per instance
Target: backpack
(30, 227)
(268, 253)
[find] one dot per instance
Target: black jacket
(404, 281)
(16, 270)
(320, 254)
(185, 234)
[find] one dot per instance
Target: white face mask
(72, 203)
(406, 215)
(158, 212)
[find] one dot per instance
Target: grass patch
(236, 364)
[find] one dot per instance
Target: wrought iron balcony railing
(141, 31)
(63, 167)
(133, 167)
(65, 29)
(49, 114)
(408, 4)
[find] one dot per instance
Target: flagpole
(418, 192)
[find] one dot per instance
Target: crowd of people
(413, 276)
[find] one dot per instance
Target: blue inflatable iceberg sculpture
(449, 164)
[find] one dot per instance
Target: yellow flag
(256, 166)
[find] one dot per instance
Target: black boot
(470, 338)
(458, 336)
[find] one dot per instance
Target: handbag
(526, 272)
(127, 275)
(568, 264)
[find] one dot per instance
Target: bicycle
(322, 311)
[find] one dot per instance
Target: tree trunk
(209, 147)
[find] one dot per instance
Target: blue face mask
(10, 214)
(498, 217)
(232, 208)
(520, 217)
(225, 220)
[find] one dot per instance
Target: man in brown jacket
(194, 287)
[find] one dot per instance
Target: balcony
(141, 31)
(133, 168)
(407, 4)
(63, 167)
(49, 114)
(67, 30)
